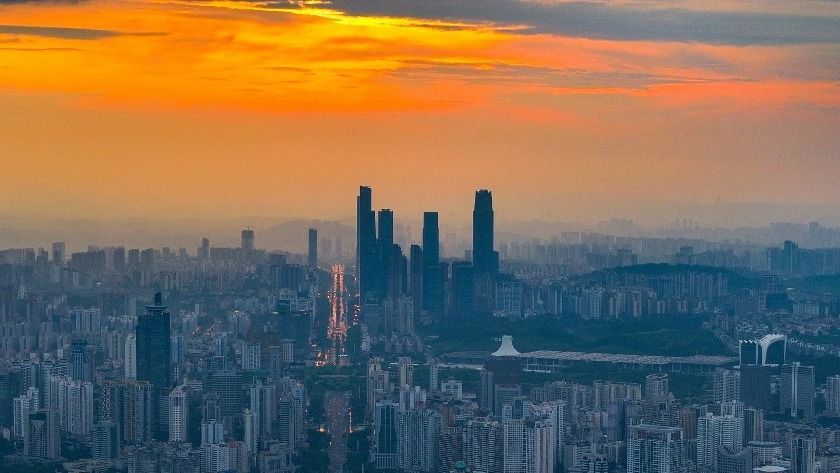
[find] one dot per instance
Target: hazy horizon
(566, 110)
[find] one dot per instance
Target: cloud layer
(616, 22)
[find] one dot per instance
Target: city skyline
(661, 102)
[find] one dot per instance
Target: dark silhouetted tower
(248, 240)
(432, 274)
(485, 258)
(312, 258)
(415, 280)
(153, 353)
(385, 240)
(366, 254)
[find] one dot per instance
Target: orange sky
(223, 108)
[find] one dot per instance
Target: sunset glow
(231, 92)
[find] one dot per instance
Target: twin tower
(384, 272)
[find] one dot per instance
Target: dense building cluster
(238, 359)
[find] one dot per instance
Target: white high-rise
(715, 431)
(212, 432)
(178, 414)
(555, 414)
(22, 406)
(528, 446)
(75, 405)
(654, 449)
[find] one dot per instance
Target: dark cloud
(67, 33)
(614, 22)
(16, 2)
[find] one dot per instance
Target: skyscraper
(366, 254)
(753, 425)
(153, 355)
(415, 279)
(485, 258)
(715, 431)
(384, 452)
(654, 449)
(832, 394)
(432, 274)
(312, 256)
(528, 446)
(387, 257)
(178, 414)
(796, 390)
(803, 455)
(462, 290)
(247, 241)
(41, 437)
(58, 253)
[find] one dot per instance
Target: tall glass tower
(153, 363)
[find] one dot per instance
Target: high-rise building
(528, 446)
(753, 425)
(485, 258)
(248, 242)
(654, 449)
(727, 385)
(312, 254)
(366, 245)
(484, 445)
(59, 253)
(75, 405)
(41, 437)
(803, 455)
(178, 414)
(406, 371)
(832, 394)
(385, 251)
(554, 412)
(204, 250)
(251, 355)
(22, 406)
(656, 387)
(137, 412)
(112, 399)
(755, 386)
(415, 279)
(81, 364)
(378, 384)
(433, 285)
(796, 390)
(462, 293)
(384, 452)
(105, 443)
(417, 440)
(152, 338)
(715, 431)
(434, 373)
